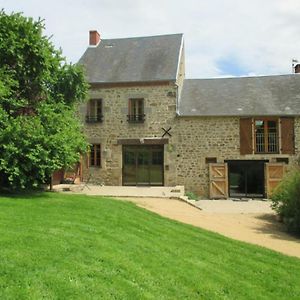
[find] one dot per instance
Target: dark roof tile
(137, 59)
(241, 96)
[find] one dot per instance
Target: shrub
(192, 196)
(286, 201)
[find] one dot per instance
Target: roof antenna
(294, 63)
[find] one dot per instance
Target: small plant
(286, 201)
(192, 196)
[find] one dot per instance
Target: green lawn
(55, 246)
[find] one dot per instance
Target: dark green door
(143, 165)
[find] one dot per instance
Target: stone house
(148, 125)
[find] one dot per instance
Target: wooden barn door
(274, 174)
(218, 181)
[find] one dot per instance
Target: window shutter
(287, 136)
(129, 107)
(246, 144)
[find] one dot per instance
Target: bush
(192, 196)
(286, 201)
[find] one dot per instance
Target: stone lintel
(143, 141)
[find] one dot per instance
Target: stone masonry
(160, 111)
(193, 138)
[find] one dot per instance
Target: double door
(247, 178)
(244, 178)
(143, 165)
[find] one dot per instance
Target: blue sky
(231, 65)
(222, 38)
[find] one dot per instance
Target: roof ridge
(244, 77)
(143, 37)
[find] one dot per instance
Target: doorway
(246, 178)
(143, 165)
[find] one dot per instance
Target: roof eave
(132, 83)
(179, 57)
(240, 116)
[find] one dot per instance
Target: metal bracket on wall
(167, 131)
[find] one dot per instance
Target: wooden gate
(218, 181)
(274, 174)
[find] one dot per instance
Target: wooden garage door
(274, 174)
(218, 181)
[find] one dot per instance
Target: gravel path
(233, 220)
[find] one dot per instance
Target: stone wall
(193, 138)
(196, 138)
(160, 111)
(297, 140)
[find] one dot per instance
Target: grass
(55, 246)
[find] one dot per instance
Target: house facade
(148, 125)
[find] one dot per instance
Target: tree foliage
(39, 94)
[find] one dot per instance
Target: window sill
(135, 118)
(92, 120)
(136, 122)
(266, 153)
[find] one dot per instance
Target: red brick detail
(94, 37)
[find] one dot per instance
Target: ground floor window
(95, 155)
(143, 165)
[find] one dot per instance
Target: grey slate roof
(242, 96)
(143, 59)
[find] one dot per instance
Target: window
(210, 160)
(284, 160)
(136, 111)
(261, 135)
(266, 135)
(94, 111)
(95, 155)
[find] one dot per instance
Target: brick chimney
(297, 68)
(94, 38)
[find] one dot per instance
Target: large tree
(39, 94)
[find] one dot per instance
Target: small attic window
(109, 46)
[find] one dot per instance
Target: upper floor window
(136, 111)
(266, 135)
(95, 155)
(94, 111)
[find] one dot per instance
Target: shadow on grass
(275, 228)
(26, 194)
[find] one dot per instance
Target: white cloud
(263, 36)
